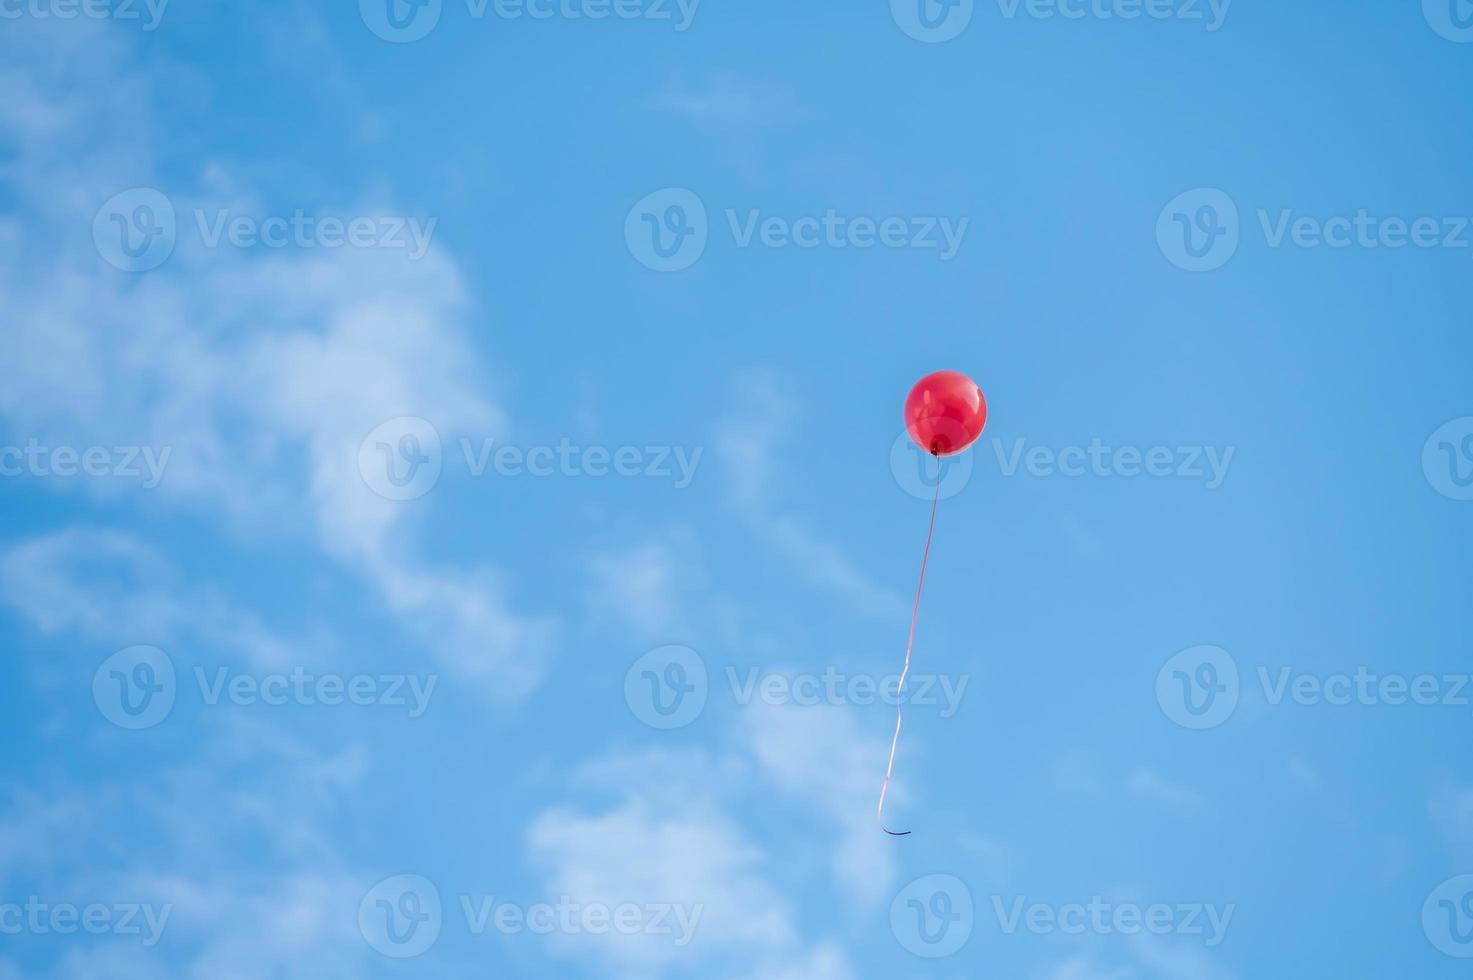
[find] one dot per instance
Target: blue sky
(456, 516)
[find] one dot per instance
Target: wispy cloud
(649, 585)
(1451, 809)
(752, 443)
(254, 371)
(1151, 786)
(821, 756)
(285, 903)
(111, 587)
(674, 837)
(729, 101)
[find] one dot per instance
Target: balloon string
(910, 641)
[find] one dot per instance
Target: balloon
(945, 413)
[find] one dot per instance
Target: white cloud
(671, 838)
(639, 584)
(236, 846)
(112, 587)
(826, 962)
(262, 375)
(647, 855)
(821, 755)
(752, 439)
(650, 585)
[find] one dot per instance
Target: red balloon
(945, 413)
